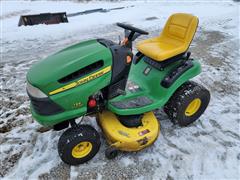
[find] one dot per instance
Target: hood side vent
(82, 72)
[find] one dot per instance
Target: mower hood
(46, 73)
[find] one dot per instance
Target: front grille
(45, 106)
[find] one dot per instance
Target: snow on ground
(207, 149)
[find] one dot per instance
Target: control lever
(119, 40)
(188, 55)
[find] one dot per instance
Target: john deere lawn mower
(105, 79)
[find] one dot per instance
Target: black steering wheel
(131, 28)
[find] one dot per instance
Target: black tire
(111, 152)
(72, 137)
(184, 95)
(131, 120)
(61, 126)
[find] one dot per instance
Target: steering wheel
(131, 28)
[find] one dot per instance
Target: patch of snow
(209, 18)
(208, 149)
(126, 161)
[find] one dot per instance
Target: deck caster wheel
(78, 144)
(187, 104)
(111, 153)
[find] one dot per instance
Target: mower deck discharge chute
(105, 79)
(124, 138)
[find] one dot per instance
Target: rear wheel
(188, 103)
(78, 144)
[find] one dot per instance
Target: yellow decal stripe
(82, 81)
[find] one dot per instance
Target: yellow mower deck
(129, 139)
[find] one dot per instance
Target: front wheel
(78, 145)
(188, 103)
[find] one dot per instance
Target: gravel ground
(207, 149)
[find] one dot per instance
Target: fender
(153, 86)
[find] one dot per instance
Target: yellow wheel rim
(82, 149)
(193, 107)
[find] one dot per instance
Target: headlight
(35, 92)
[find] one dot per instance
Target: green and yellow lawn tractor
(102, 78)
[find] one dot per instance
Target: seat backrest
(181, 27)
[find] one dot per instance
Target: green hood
(46, 73)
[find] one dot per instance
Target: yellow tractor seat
(174, 40)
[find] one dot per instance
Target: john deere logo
(89, 78)
(82, 81)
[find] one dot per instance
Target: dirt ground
(178, 152)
